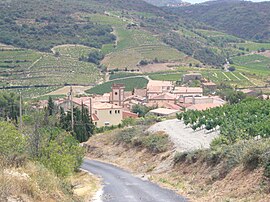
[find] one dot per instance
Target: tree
(143, 62)
(140, 110)
(11, 141)
(9, 106)
(60, 151)
(95, 57)
(83, 125)
(50, 106)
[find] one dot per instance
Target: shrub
(157, 142)
(231, 68)
(266, 160)
(126, 135)
(12, 143)
(180, 157)
(252, 156)
(61, 152)
(143, 62)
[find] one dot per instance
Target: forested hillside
(244, 19)
(42, 25)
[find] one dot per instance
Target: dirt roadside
(194, 181)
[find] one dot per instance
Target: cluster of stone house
(105, 110)
(167, 99)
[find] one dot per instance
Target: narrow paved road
(121, 186)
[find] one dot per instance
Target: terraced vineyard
(22, 67)
(232, 78)
(73, 51)
(134, 44)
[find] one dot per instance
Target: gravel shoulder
(183, 137)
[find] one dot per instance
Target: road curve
(121, 186)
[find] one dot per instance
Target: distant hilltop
(168, 3)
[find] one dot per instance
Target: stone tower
(117, 97)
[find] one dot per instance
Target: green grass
(130, 84)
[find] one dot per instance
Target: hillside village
(165, 98)
(134, 101)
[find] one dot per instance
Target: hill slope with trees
(244, 19)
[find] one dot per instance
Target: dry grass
(33, 182)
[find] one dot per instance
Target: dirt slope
(196, 181)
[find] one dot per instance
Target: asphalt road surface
(121, 186)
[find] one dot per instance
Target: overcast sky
(200, 1)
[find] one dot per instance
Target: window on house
(95, 123)
(115, 93)
(96, 112)
(118, 111)
(110, 111)
(107, 123)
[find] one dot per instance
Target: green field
(167, 77)
(253, 63)
(130, 84)
(252, 46)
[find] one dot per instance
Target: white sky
(200, 1)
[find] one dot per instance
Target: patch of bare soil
(265, 53)
(85, 185)
(158, 67)
(196, 181)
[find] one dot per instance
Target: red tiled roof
(128, 114)
(170, 106)
(201, 107)
(140, 92)
(94, 117)
(164, 96)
